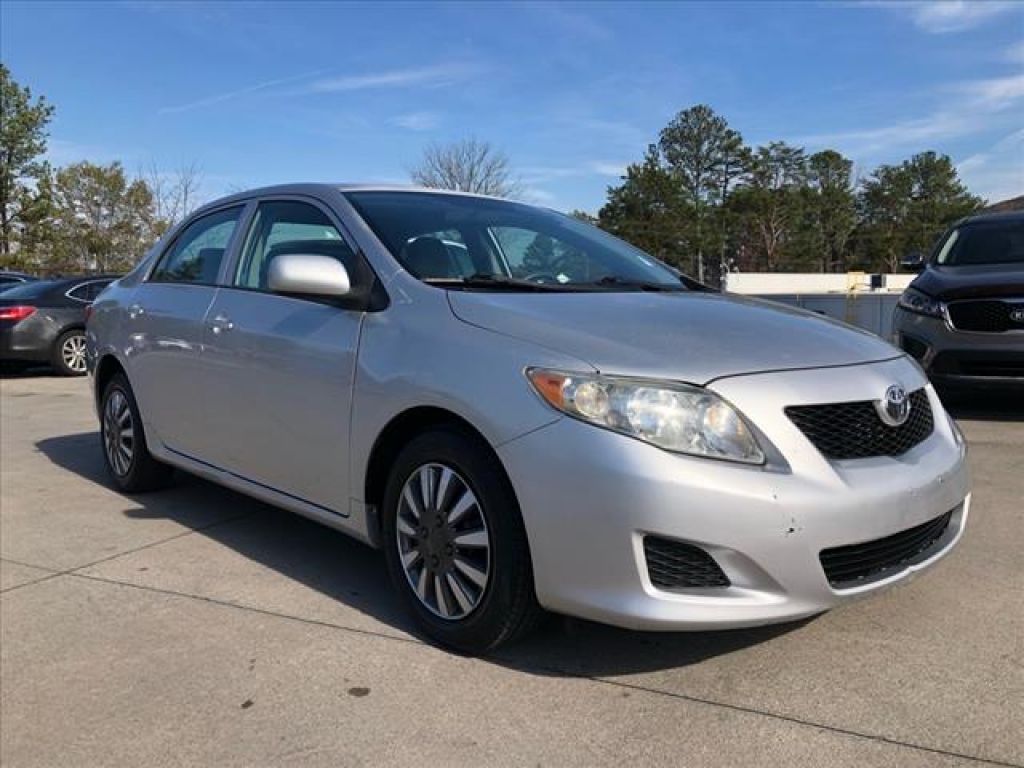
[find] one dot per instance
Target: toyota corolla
(523, 413)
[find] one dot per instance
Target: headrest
(428, 257)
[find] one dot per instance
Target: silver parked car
(524, 412)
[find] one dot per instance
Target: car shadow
(342, 568)
(8, 371)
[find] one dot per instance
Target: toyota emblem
(894, 408)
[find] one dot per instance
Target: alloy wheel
(443, 541)
(118, 433)
(72, 352)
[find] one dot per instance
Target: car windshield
(983, 242)
(481, 243)
(31, 290)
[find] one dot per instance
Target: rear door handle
(221, 323)
(135, 310)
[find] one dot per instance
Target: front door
(279, 369)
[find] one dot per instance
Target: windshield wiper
(615, 281)
(494, 283)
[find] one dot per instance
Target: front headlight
(913, 300)
(676, 417)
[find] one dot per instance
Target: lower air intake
(676, 565)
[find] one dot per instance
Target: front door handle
(221, 323)
(135, 310)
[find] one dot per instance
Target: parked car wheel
(131, 466)
(455, 543)
(69, 353)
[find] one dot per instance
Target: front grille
(676, 565)
(849, 566)
(985, 315)
(855, 431)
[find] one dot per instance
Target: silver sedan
(523, 413)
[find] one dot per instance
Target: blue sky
(258, 93)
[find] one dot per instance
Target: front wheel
(455, 543)
(131, 466)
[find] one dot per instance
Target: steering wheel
(541, 277)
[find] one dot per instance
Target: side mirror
(913, 262)
(308, 274)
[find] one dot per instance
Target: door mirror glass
(308, 274)
(913, 262)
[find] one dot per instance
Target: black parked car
(11, 279)
(963, 316)
(43, 321)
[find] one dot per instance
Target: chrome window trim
(82, 284)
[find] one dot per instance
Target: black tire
(140, 472)
(60, 359)
(507, 608)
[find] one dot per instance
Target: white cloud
(429, 76)
(998, 172)
(993, 95)
(417, 121)
(234, 94)
(602, 168)
(544, 173)
(967, 108)
(944, 16)
(1015, 53)
(538, 196)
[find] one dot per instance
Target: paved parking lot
(197, 627)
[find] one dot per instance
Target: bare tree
(175, 194)
(467, 166)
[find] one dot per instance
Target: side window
(288, 227)
(82, 292)
(196, 254)
(531, 254)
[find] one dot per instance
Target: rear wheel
(128, 460)
(455, 543)
(68, 356)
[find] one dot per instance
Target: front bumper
(961, 359)
(590, 496)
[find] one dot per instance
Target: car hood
(694, 337)
(968, 282)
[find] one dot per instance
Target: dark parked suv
(963, 317)
(43, 321)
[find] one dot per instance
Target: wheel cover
(443, 541)
(72, 352)
(118, 433)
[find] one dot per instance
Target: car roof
(68, 281)
(1001, 216)
(320, 188)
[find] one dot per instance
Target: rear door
(164, 324)
(279, 369)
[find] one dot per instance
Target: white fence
(765, 283)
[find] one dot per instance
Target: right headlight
(673, 416)
(914, 300)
